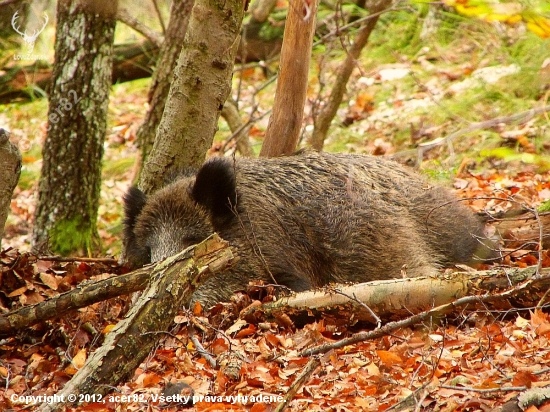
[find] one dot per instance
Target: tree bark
(163, 74)
(125, 347)
(323, 120)
(283, 130)
(68, 195)
(10, 169)
(201, 85)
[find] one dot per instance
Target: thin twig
(161, 21)
(7, 2)
(490, 390)
(297, 384)
(201, 323)
(487, 124)
(339, 30)
(541, 236)
(362, 304)
(252, 65)
(110, 261)
(424, 147)
(200, 349)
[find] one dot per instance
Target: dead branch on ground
(514, 293)
(130, 342)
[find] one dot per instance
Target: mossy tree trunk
(10, 169)
(69, 187)
(201, 85)
(163, 74)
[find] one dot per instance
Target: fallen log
(388, 299)
(83, 295)
(23, 83)
(397, 298)
(128, 344)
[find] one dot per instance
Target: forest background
(427, 72)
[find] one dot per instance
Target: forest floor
(472, 360)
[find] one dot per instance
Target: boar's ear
(215, 189)
(134, 201)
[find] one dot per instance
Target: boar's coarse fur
(304, 221)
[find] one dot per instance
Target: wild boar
(304, 221)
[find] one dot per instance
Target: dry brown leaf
(389, 358)
(77, 362)
(49, 280)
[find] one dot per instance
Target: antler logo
(30, 39)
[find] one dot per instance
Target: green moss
(436, 172)
(270, 32)
(72, 236)
(545, 206)
(138, 86)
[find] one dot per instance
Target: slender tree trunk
(163, 74)
(230, 113)
(201, 85)
(10, 168)
(323, 120)
(283, 130)
(68, 196)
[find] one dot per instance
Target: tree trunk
(230, 113)
(324, 118)
(129, 343)
(10, 168)
(283, 130)
(201, 85)
(68, 195)
(162, 76)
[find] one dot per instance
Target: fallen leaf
(49, 280)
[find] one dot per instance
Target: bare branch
(125, 17)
